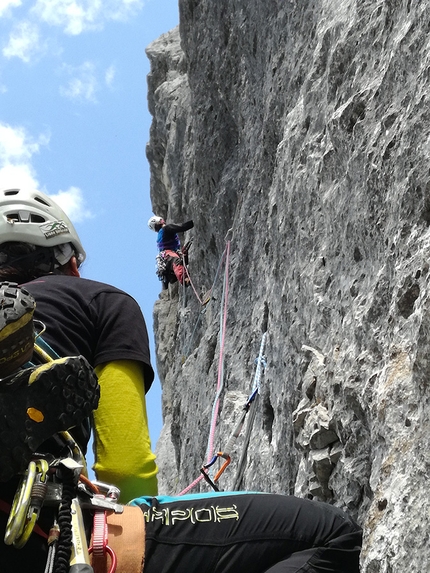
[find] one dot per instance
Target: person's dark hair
(23, 262)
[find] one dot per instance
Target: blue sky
(74, 123)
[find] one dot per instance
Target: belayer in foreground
(50, 513)
(41, 250)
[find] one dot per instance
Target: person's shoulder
(96, 286)
(67, 282)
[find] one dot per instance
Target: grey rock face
(296, 135)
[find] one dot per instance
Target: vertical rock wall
(297, 134)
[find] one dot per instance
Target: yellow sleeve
(122, 447)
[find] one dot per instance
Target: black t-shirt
(91, 318)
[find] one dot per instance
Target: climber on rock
(171, 256)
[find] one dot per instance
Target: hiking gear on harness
(170, 267)
(155, 222)
(16, 327)
(32, 217)
(38, 402)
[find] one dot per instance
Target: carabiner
(219, 472)
(224, 465)
(27, 503)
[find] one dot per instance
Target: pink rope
(191, 283)
(190, 487)
(220, 380)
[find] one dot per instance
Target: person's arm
(171, 229)
(123, 455)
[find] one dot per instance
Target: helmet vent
(40, 200)
(37, 218)
(17, 218)
(12, 192)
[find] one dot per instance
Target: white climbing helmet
(32, 217)
(155, 222)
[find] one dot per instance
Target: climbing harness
(166, 259)
(37, 403)
(42, 401)
(59, 483)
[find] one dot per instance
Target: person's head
(36, 237)
(155, 223)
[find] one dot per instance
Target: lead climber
(40, 249)
(171, 256)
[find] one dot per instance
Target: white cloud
(17, 146)
(83, 86)
(77, 16)
(73, 204)
(16, 150)
(110, 75)
(5, 5)
(24, 42)
(19, 175)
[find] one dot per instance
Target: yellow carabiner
(36, 501)
(25, 508)
(16, 522)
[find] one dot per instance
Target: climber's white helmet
(155, 222)
(29, 216)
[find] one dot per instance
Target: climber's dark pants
(255, 533)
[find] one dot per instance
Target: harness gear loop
(27, 504)
(126, 551)
(114, 561)
(100, 534)
(100, 544)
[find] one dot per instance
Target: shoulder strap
(44, 350)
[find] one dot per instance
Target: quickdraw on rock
(226, 453)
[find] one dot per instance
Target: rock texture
(297, 136)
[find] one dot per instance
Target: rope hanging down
(225, 454)
(204, 303)
(220, 380)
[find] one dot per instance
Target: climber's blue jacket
(167, 238)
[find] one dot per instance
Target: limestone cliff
(297, 136)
